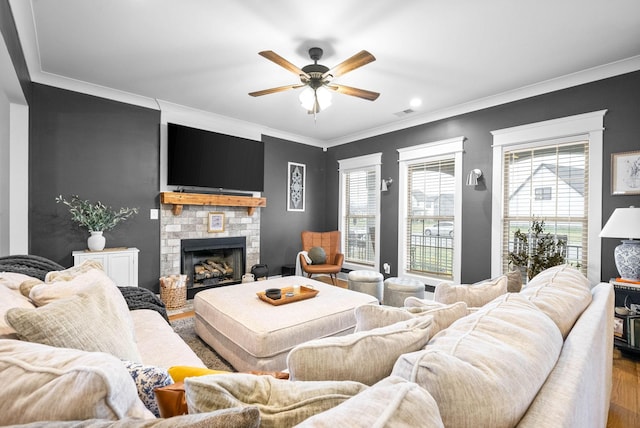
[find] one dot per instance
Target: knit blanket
(35, 266)
(142, 298)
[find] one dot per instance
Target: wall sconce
(472, 178)
(386, 182)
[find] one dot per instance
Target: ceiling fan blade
(357, 60)
(272, 56)
(355, 92)
(274, 90)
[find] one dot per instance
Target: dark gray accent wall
(622, 129)
(100, 150)
(280, 229)
(11, 39)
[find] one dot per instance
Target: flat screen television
(199, 158)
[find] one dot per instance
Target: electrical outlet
(153, 214)
(387, 268)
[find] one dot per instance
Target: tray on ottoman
(305, 293)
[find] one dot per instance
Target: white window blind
(430, 217)
(360, 215)
(549, 183)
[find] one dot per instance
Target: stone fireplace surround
(192, 224)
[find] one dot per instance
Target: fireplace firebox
(213, 262)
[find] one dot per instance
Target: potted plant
(96, 217)
(536, 250)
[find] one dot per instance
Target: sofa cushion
(10, 298)
(561, 292)
(392, 402)
(248, 417)
(147, 379)
(474, 295)
(367, 356)
(369, 317)
(85, 321)
(41, 383)
(282, 403)
(486, 368)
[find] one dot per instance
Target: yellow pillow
(178, 373)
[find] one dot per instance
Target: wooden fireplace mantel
(178, 199)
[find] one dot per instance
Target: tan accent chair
(330, 242)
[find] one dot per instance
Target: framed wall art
(297, 174)
(625, 173)
(216, 222)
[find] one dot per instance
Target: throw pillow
(317, 255)
(40, 383)
(392, 402)
(72, 272)
(147, 379)
(369, 317)
(26, 286)
(474, 295)
(561, 292)
(10, 298)
(493, 361)
(514, 281)
(178, 373)
(366, 357)
(85, 322)
(281, 403)
(93, 281)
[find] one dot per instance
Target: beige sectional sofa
(541, 357)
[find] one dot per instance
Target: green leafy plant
(536, 250)
(95, 216)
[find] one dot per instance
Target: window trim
(589, 126)
(373, 160)
(417, 154)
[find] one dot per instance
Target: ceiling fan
(318, 79)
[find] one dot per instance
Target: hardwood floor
(625, 392)
(624, 411)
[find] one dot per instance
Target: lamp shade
(625, 223)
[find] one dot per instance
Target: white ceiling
(456, 55)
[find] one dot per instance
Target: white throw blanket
(298, 267)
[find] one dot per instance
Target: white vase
(96, 241)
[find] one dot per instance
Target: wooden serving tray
(305, 293)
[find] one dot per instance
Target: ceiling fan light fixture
(309, 97)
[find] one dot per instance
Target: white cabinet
(121, 265)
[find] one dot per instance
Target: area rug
(185, 327)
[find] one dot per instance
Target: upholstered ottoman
(366, 281)
(398, 289)
(255, 335)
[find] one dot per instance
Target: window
(360, 211)
(543, 193)
(550, 171)
(562, 167)
(430, 181)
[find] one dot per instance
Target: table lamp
(625, 223)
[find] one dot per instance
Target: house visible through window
(555, 169)
(550, 171)
(430, 219)
(360, 208)
(430, 209)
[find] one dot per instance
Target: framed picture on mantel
(296, 186)
(216, 222)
